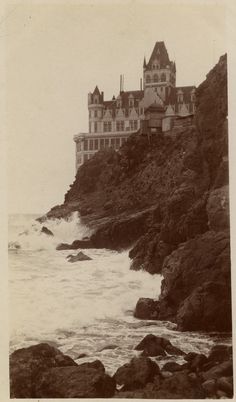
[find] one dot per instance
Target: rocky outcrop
(46, 231)
(87, 380)
(153, 345)
(136, 374)
(78, 257)
(27, 363)
(168, 199)
(195, 291)
(42, 371)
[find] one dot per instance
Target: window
(131, 102)
(107, 126)
(90, 114)
(89, 127)
(85, 157)
(85, 145)
(107, 143)
(180, 97)
(95, 144)
(163, 77)
(78, 146)
(155, 78)
(193, 97)
(120, 126)
(95, 113)
(148, 79)
(95, 127)
(90, 145)
(133, 124)
(123, 141)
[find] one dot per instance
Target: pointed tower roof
(160, 53)
(96, 91)
(144, 62)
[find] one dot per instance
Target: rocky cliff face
(168, 199)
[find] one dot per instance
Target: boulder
(137, 373)
(220, 353)
(210, 388)
(75, 245)
(87, 380)
(146, 309)
(225, 384)
(172, 367)
(27, 363)
(152, 345)
(78, 257)
(46, 231)
(224, 369)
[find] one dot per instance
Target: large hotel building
(112, 122)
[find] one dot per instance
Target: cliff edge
(167, 198)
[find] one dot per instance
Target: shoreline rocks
(42, 371)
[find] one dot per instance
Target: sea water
(86, 307)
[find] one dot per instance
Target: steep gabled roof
(159, 52)
(96, 91)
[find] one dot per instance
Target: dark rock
(75, 245)
(198, 362)
(172, 367)
(210, 388)
(218, 209)
(108, 347)
(82, 355)
(191, 287)
(27, 363)
(152, 345)
(87, 380)
(146, 309)
(225, 384)
(220, 353)
(78, 257)
(46, 231)
(224, 369)
(137, 373)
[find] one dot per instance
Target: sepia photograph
(119, 247)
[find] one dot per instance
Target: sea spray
(85, 307)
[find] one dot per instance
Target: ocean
(83, 308)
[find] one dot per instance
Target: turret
(159, 73)
(95, 106)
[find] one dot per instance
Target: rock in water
(146, 309)
(152, 345)
(46, 231)
(137, 373)
(79, 257)
(75, 245)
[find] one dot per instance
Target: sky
(58, 51)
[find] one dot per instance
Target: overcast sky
(57, 53)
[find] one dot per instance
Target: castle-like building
(112, 122)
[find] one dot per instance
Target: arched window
(155, 78)
(163, 77)
(148, 79)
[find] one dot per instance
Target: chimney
(141, 84)
(120, 83)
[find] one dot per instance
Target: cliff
(168, 198)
